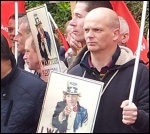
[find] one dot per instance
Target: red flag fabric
(7, 9)
(122, 10)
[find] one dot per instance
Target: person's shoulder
(30, 79)
(29, 84)
(61, 103)
(76, 70)
(83, 109)
(143, 67)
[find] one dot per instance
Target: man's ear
(125, 38)
(116, 34)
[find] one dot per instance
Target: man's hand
(75, 45)
(129, 114)
(67, 111)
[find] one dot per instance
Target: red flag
(122, 10)
(7, 9)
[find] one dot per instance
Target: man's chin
(12, 44)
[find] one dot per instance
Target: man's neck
(102, 58)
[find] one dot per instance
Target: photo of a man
(69, 116)
(43, 40)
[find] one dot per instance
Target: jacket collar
(85, 60)
(8, 78)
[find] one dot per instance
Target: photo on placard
(69, 106)
(44, 39)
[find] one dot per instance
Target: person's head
(23, 32)
(80, 11)
(6, 56)
(11, 27)
(101, 31)
(124, 32)
(71, 95)
(31, 56)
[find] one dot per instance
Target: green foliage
(61, 13)
(31, 4)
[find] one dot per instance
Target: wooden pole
(138, 52)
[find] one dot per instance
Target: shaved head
(101, 31)
(106, 15)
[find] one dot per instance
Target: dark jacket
(109, 116)
(21, 101)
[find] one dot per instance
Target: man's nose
(89, 34)
(73, 22)
(15, 38)
(25, 56)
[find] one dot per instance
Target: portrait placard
(44, 39)
(70, 104)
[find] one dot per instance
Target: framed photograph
(44, 39)
(70, 106)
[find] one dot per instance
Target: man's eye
(10, 29)
(97, 30)
(27, 51)
(86, 30)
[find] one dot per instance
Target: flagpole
(138, 53)
(16, 28)
(66, 45)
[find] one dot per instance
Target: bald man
(105, 61)
(77, 41)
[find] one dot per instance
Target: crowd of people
(98, 40)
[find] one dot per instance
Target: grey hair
(24, 20)
(124, 27)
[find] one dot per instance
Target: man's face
(98, 34)
(71, 99)
(21, 37)
(11, 31)
(30, 56)
(78, 21)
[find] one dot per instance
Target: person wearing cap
(43, 39)
(69, 116)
